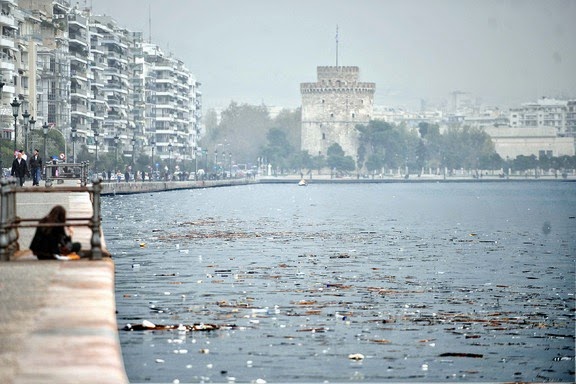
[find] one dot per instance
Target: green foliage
(248, 132)
(388, 146)
(278, 151)
(337, 160)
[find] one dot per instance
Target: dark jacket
(19, 169)
(47, 241)
(35, 162)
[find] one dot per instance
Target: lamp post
(206, 160)
(230, 158)
(169, 157)
(32, 122)
(96, 134)
(215, 159)
(153, 144)
(74, 135)
(45, 128)
(26, 118)
(15, 109)
(133, 151)
(116, 141)
(195, 163)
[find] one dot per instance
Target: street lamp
(195, 163)
(74, 135)
(96, 134)
(133, 151)
(15, 108)
(26, 120)
(26, 117)
(32, 122)
(116, 141)
(169, 157)
(230, 158)
(45, 128)
(153, 144)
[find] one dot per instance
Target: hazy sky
(503, 52)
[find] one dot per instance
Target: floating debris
(356, 356)
(462, 354)
(147, 326)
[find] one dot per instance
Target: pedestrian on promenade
(19, 168)
(52, 241)
(36, 167)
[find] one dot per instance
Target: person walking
(19, 168)
(36, 167)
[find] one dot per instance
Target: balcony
(6, 42)
(8, 20)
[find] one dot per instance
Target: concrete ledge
(60, 323)
(122, 188)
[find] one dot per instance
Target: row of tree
(250, 133)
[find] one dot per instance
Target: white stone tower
(332, 107)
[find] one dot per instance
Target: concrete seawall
(121, 188)
(59, 323)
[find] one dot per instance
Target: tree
(278, 151)
(338, 160)
(290, 122)
(302, 160)
(242, 132)
(523, 163)
(318, 162)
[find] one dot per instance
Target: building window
(323, 101)
(323, 136)
(353, 115)
(331, 115)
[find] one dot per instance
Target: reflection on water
(387, 282)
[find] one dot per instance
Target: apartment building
(8, 50)
(172, 104)
(95, 82)
(545, 112)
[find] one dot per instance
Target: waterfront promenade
(58, 317)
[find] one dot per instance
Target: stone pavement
(58, 317)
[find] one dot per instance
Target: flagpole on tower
(336, 46)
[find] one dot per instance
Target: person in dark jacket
(52, 240)
(19, 168)
(35, 167)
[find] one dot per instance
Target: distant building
(332, 107)
(559, 114)
(510, 142)
(545, 127)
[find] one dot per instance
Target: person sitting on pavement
(54, 241)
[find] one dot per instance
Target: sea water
(411, 282)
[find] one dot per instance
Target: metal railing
(10, 222)
(66, 171)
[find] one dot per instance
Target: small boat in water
(302, 183)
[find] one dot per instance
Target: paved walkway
(58, 317)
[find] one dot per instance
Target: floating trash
(356, 356)
(147, 325)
